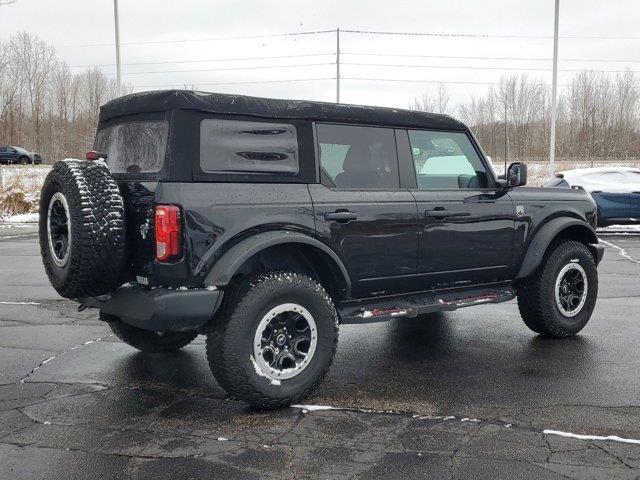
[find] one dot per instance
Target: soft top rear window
(135, 147)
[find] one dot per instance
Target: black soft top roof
(164, 100)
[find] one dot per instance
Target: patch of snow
(22, 218)
(600, 179)
(223, 439)
(620, 228)
(610, 438)
(260, 373)
(19, 303)
(474, 420)
(314, 408)
(435, 417)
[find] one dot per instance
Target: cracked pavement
(462, 395)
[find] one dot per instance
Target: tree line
(598, 116)
(44, 106)
(48, 108)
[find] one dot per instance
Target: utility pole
(554, 92)
(117, 28)
(337, 65)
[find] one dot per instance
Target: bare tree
(435, 103)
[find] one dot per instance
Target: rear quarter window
(236, 146)
(135, 147)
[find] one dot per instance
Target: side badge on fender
(519, 210)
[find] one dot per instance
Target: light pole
(554, 92)
(337, 65)
(117, 28)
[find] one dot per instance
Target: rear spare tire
(82, 229)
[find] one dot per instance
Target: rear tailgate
(139, 209)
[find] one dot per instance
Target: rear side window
(236, 146)
(354, 157)
(136, 147)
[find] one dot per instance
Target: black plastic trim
(159, 309)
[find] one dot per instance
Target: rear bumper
(159, 309)
(597, 250)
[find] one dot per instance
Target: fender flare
(541, 240)
(225, 268)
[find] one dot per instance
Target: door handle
(442, 213)
(341, 216)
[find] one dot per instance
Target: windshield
(137, 147)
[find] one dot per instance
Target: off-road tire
(536, 294)
(231, 334)
(23, 160)
(96, 245)
(146, 340)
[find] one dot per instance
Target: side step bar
(410, 306)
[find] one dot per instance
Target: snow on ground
(620, 229)
(21, 218)
(20, 191)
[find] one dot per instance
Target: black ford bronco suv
(265, 224)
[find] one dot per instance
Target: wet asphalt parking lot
(467, 394)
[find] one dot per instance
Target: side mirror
(516, 175)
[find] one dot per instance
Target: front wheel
(559, 298)
(274, 343)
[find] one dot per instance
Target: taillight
(93, 155)
(168, 245)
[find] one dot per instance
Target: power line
(454, 82)
(365, 79)
(357, 32)
(207, 61)
(210, 39)
(237, 83)
(367, 54)
(482, 35)
(464, 57)
(466, 67)
(260, 67)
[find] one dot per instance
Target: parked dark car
(615, 190)
(16, 155)
(265, 224)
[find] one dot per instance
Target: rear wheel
(559, 298)
(146, 340)
(274, 343)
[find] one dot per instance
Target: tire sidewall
(57, 275)
(251, 309)
(559, 260)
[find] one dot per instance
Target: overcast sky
(82, 33)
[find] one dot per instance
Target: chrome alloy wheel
(571, 289)
(285, 341)
(59, 229)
